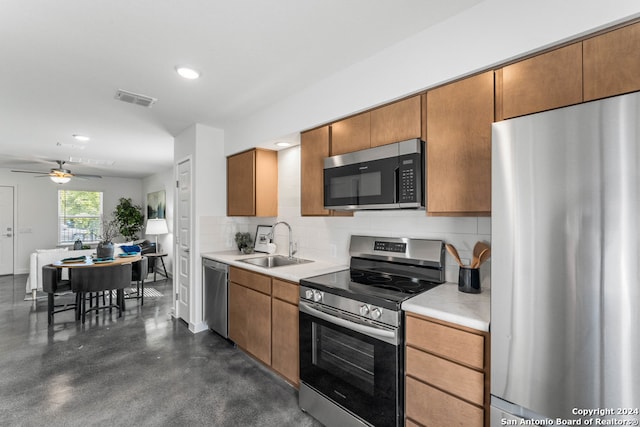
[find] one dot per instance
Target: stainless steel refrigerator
(565, 280)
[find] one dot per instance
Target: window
(79, 216)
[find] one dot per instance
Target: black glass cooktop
(378, 288)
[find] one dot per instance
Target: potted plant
(108, 233)
(244, 241)
(129, 219)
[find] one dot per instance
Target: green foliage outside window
(79, 215)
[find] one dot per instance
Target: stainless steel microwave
(386, 177)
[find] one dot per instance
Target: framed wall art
(156, 205)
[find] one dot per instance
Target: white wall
(491, 32)
(36, 219)
(164, 180)
(205, 146)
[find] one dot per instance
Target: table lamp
(155, 227)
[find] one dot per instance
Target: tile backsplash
(327, 238)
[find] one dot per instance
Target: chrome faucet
(292, 251)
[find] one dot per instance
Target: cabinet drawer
(286, 291)
(432, 407)
(452, 343)
(251, 280)
(448, 376)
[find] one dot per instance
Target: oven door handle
(385, 335)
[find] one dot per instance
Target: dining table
(91, 263)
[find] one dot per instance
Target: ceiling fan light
(60, 179)
(82, 138)
(188, 73)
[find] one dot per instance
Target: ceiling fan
(59, 175)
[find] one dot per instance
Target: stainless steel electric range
(352, 332)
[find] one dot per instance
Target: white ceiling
(62, 62)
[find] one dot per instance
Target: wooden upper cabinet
(351, 134)
(314, 148)
(252, 183)
(546, 81)
(396, 122)
(459, 117)
(612, 63)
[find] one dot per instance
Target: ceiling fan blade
(21, 171)
(83, 175)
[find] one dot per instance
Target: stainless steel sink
(274, 261)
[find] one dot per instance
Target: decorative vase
(104, 250)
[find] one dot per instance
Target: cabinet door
(546, 81)
(266, 184)
(611, 63)
(241, 179)
(258, 332)
(314, 148)
(238, 326)
(396, 122)
(284, 335)
(351, 134)
(459, 117)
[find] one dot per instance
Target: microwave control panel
(409, 179)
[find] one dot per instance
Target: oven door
(365, 185)
(355, 365)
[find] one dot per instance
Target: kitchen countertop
(443, 302)
(289, 272)
(446, 303)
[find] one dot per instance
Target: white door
(184, 240)
(6, 230)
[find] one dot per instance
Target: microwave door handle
(381, 334)
(396, 189)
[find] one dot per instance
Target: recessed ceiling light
(188, 73)
(283, 144)
(82, 138)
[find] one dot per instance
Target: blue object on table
(133, 249)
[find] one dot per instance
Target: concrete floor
(143, 369)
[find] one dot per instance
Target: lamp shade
(156, 226)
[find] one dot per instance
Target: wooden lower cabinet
(432, 407)
(447, 375)
(250, 321)
(285, 351)
(263, 320)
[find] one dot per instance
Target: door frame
(14, 225)
(192, 254)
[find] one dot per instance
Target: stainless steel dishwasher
(216, 290)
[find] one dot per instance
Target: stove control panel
(367, 312)
(373, 312)
(399, 247)
(314, 295)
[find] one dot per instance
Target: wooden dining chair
(101, 278)
(52, 284)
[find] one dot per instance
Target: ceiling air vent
(135, 98)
